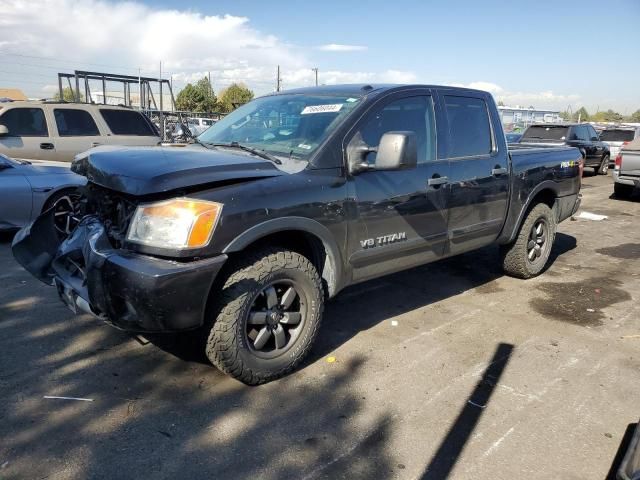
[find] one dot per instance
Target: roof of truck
(39, 103)
(360, 89)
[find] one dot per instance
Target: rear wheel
(604, 165)
(623, 191)
(527, 256)
(266, 317)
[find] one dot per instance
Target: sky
(548, 54)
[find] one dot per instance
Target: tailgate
(630, 163)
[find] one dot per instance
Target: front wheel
(266, 317)
(66, 210)
(604, 166)
(527, 256)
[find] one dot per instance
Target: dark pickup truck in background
(294, 196)
(583, 136)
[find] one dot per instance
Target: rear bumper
(133, 292)
(625, 180)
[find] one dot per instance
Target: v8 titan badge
(383, 240)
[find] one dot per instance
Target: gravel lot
(449, 369)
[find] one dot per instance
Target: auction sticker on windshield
(321, 108)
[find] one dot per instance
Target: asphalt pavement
(450, 370)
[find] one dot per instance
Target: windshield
(546, 132)
(617, 135)
(282, 125)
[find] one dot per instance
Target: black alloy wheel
(275, 319)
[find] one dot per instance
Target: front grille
(115, 210)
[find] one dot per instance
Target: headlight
(178, 224)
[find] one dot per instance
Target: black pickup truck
(595, 152)
(243, 235)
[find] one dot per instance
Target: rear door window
(591, 133)
(545, 132)
(25, 122)
(127, 122)
(617, 135)
(72, 122)
(469, 127)
(583, 133)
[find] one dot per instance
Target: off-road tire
(603, 169)
(623, 191)
(227, 347)
(515, 256)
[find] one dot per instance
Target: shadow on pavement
(156, 415)
(622, 450)
(453, 444)
(370, 303)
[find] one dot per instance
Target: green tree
(634, 117)
(582, 115)
(608, 116)
(67, 95)
(500, 103)
(566, 116)
(197, 98)
(234, 95)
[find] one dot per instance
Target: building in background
(518, 118)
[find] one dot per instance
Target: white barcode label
(321, 108)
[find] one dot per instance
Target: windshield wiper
(254, 151)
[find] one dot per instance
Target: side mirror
(4, 131)
(397, 151)
(595, 139)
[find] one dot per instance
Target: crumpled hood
(148, 170)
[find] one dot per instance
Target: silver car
(626, 173)
(29, 188)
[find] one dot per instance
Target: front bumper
(133, 292)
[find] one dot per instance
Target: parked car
(199, 125)
(513, 137)
(247, 232)
(27, 189)
(583, 136)
(196, 127)
(59, 131)
(626, 174)
(616, 137)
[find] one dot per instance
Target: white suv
(59, 131)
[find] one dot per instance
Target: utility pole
(210, 86)
(315, 70)
(162, 126)
(278, 79)
(139, 90)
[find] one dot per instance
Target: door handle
(96, 144)
(498, 171)
(437, 181)
(46, 146)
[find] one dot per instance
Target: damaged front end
(95, 273)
